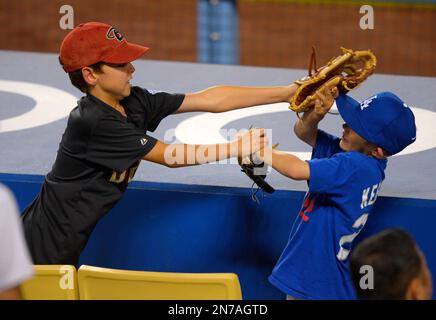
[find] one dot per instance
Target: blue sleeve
(326, 145)
(332, 175)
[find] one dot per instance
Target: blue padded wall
(186, 228)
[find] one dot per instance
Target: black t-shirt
(97, 158)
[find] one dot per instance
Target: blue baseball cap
(383, 119)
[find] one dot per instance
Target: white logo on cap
(365, 104)
(144, 141)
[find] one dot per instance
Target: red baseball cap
(92, 42)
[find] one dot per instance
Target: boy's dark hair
(76, 77)
(395, 260)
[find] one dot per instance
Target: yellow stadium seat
(51, 282)
(111, 284)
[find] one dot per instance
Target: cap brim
(126, 52)
(349, 109)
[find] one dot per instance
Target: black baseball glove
(257, 173)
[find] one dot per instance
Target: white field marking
(205, 128)
(51, 104)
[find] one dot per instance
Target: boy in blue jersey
(344, 176)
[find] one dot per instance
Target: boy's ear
(378, 153)
(416, 290)
(89, 76)
(412, 290)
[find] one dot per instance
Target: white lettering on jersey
(349, 238)
(364, 198)
(372, 192)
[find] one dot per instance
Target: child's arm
(285, 163)
(306, 128)
(226, 98)
(182, 155)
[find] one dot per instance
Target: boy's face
(351, 141)
(114, 80)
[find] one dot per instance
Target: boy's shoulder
(137, 93)
(354, 156)
(88, 113)
(360, 161)
(138, 100)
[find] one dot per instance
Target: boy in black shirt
(106, 139)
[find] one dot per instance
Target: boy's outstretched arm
(285, 163)
(306, 128)
(226, 98)
(182, 155)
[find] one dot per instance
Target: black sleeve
(117, 144)
(157, 105)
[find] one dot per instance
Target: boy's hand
(248, 142)
(256, 168)
(325, 100)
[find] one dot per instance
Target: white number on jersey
(349, 238)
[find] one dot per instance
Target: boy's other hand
(325, 99)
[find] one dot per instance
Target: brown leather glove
(346, 72)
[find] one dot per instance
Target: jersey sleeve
(162, 105)
(117, 144)
(155, 105)
(332, 175)
(326, 145)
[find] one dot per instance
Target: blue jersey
(343, 187)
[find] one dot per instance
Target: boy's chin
(127, 92)
(343, 145)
